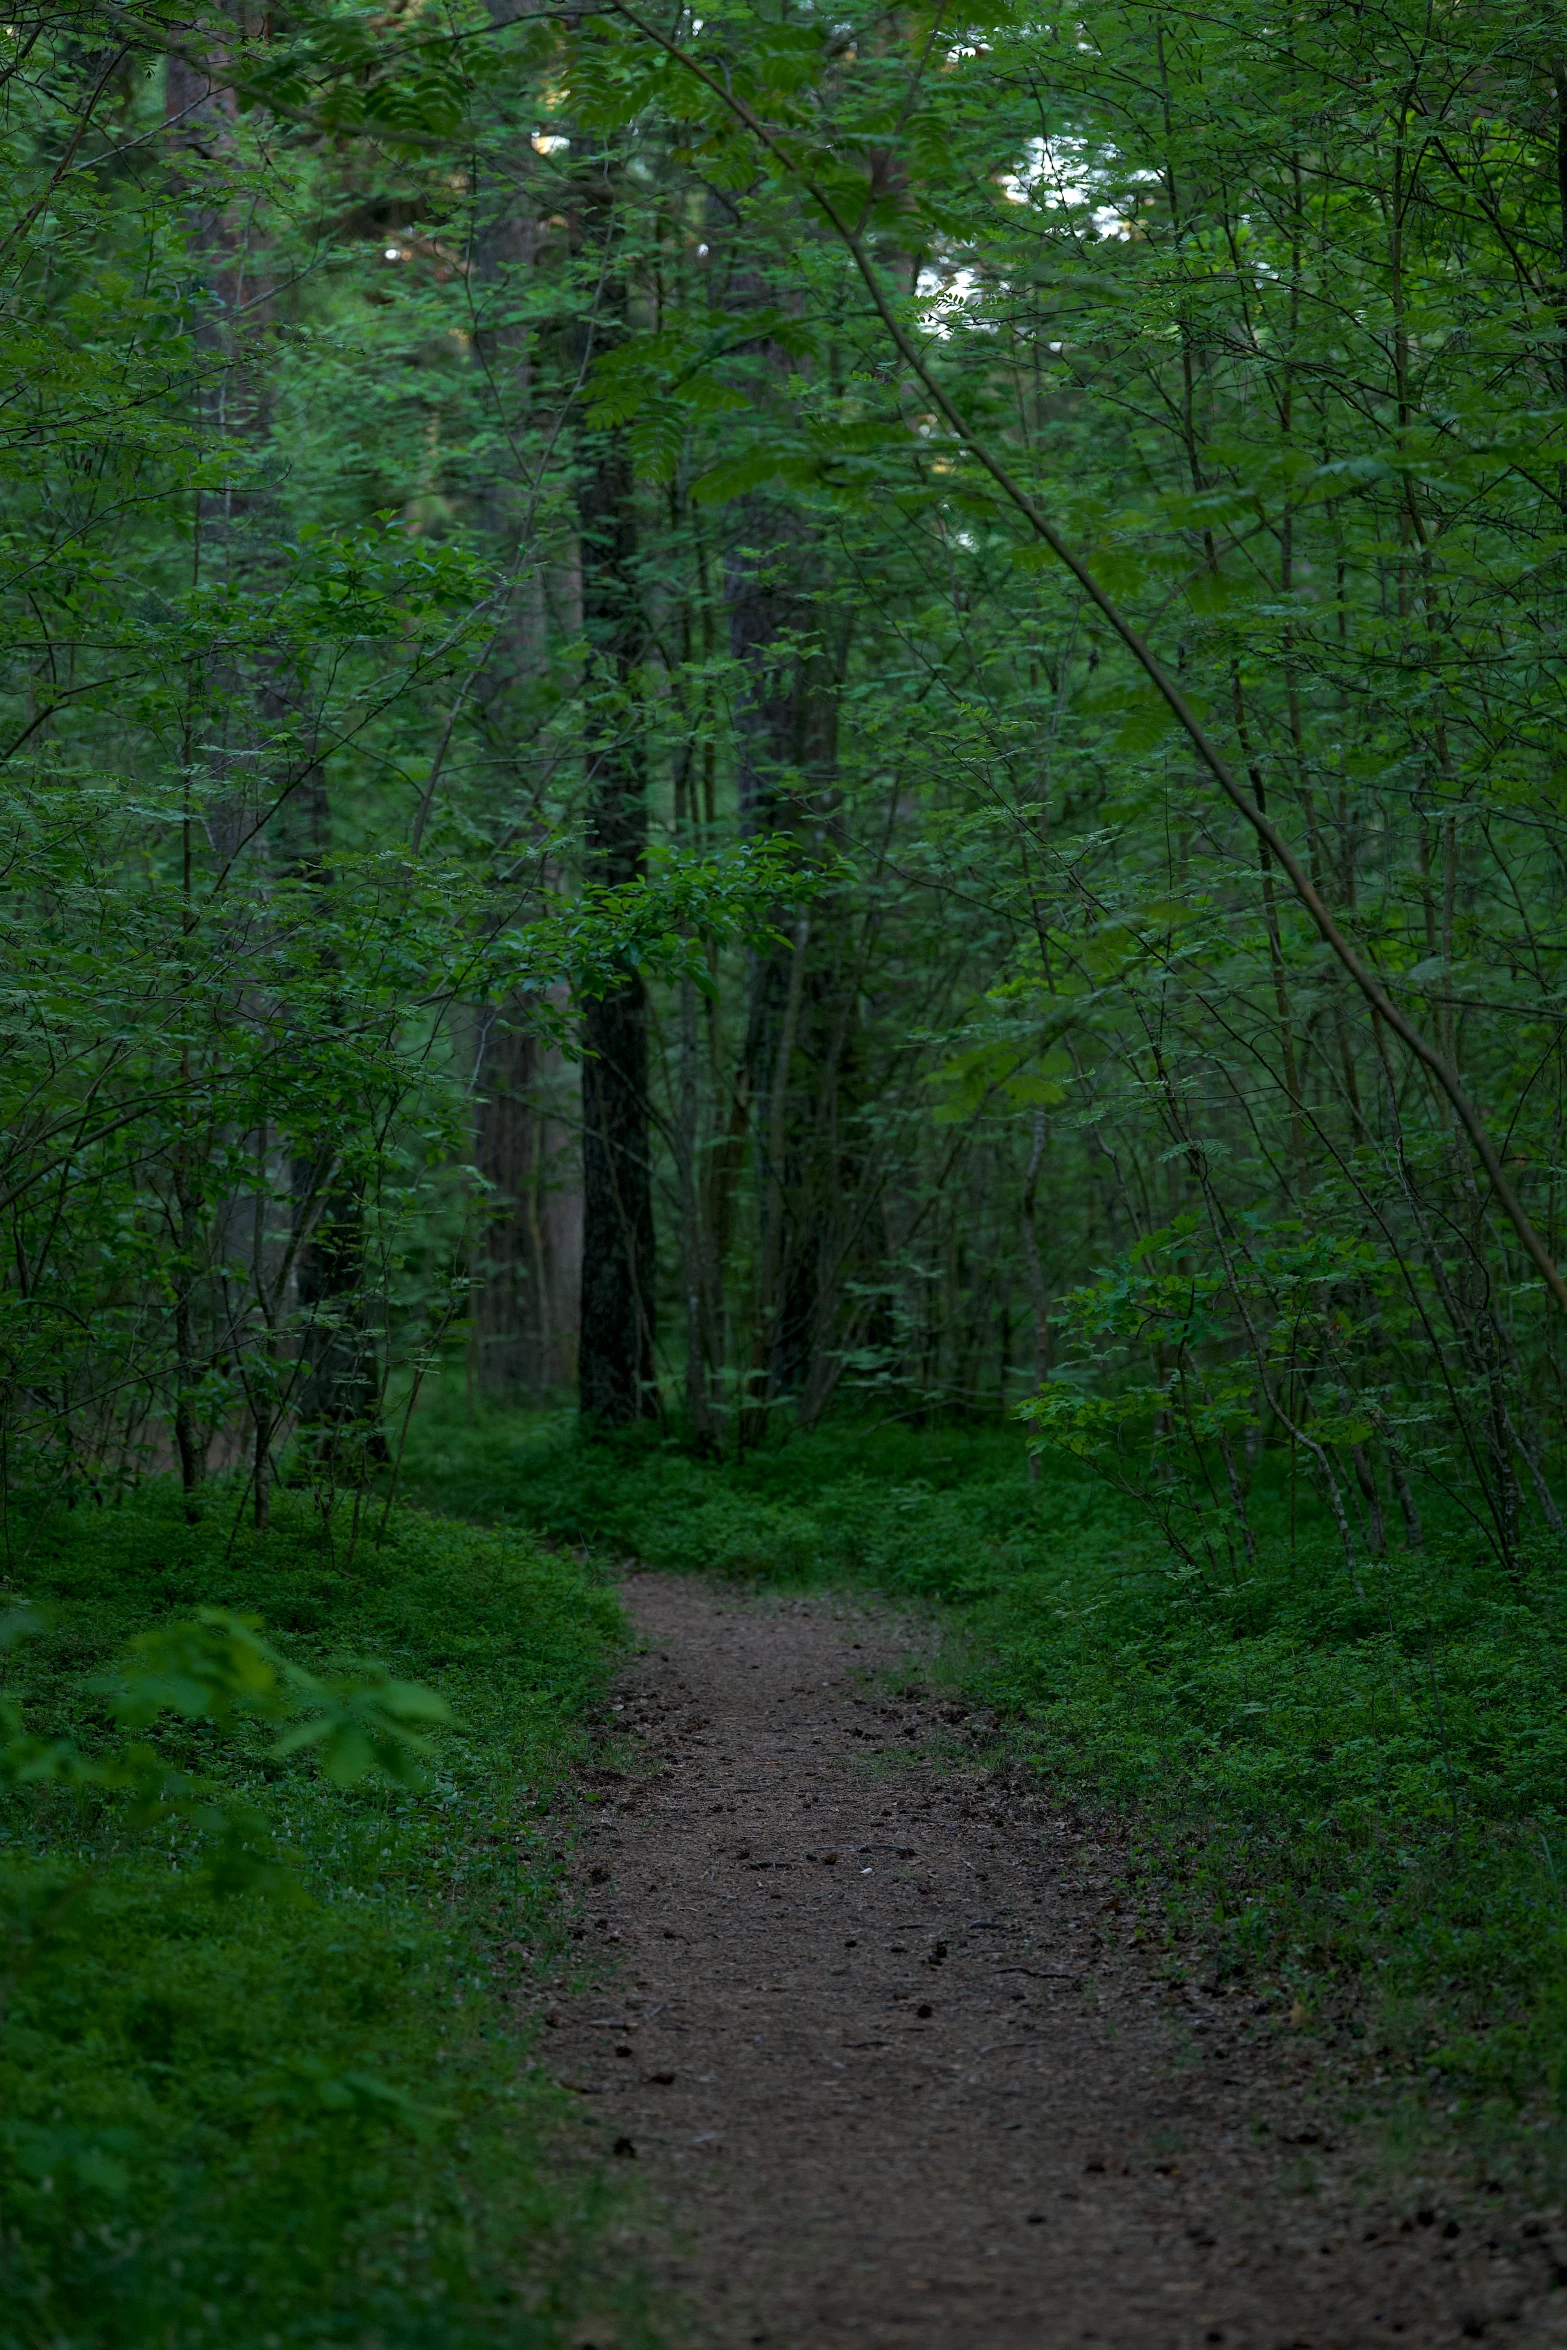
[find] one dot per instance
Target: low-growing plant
(264, 1907)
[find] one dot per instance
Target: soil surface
(897, 2074)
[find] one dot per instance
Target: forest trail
(896, 2076)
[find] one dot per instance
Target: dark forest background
(781, 790)
(555, 811)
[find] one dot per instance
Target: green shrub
(296, 2114)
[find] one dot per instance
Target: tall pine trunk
(526, 1298)
(224, 729)
(528, 1250)
(616, 1371)
(817, 1222)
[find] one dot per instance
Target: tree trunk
(529, 1256)
(801, 1051)
(616, 1374)
(224, 721)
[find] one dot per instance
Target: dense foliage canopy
(644, 654)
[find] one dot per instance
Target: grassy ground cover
(1352, 1788)
(295, 2114)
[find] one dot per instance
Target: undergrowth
(1352, 1786)
(298, 2114)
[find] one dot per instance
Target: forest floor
(897, 2074)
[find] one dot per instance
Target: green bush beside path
(298, 2111)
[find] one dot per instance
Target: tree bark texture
(231, 324)
(529, 1255)
(802, 1040)
(616, 1375)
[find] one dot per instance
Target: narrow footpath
(896, 2074)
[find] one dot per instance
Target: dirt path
(897, 2078)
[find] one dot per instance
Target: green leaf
(204, 1670)
(366, 1722)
